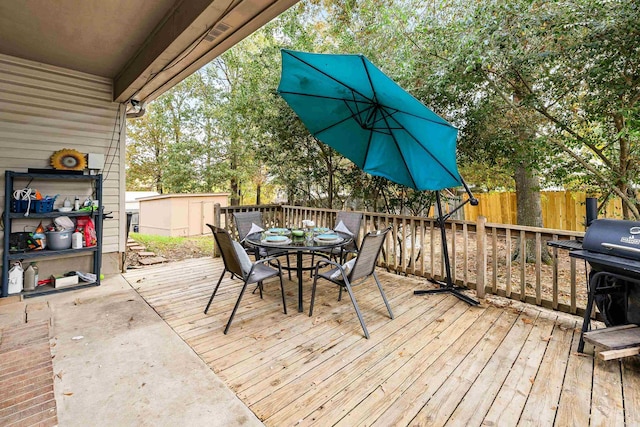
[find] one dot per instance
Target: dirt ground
(185, 251)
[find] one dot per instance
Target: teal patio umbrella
(352, 106)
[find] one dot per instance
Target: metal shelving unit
(8, 218)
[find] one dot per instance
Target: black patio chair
(350, 226)
(244, 222)
(352, 222)
(363, 267)
(237, 262)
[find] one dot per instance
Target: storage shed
(179, 214)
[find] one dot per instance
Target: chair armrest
(268, 259)
(326, 262)
(264, 261)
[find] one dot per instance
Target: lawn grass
(165, 245)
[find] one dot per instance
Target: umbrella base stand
(447, 286)
(453, 290)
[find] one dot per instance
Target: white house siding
(44, 109)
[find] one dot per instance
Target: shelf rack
(8, 218)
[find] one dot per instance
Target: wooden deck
(439, 362)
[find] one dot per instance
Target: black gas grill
(612, 249)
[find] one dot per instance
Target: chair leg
(214, 292)
(355, 305)
(284, 303)
(288, 266)
(260, 287)
(257, 256)
(233, 313)
(313, 292)
(384, 297)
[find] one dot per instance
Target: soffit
(145, 46)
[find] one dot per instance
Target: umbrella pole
(447, 286)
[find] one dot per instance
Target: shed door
(200, 213)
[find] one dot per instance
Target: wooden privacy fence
(562, 210)
(480, 253)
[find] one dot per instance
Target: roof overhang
(145, 47)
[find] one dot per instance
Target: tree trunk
(528, 197)
(235, 186)
(624, 165)
(258, 188)
(158, 182)
(291, 195)
(234, 198)
(529, 210)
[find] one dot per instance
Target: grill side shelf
(566, 244)
(615, 342)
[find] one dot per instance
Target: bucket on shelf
(59, 240)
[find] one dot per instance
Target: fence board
(562, 210)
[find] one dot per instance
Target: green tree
(147, 144)
(571, 69)
(156, 139)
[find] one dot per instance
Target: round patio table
(299, 245)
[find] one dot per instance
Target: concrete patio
(114, 362)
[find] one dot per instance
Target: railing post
(216, 222)
(481, 255)
(216, 214)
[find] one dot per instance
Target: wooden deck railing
(481, 253)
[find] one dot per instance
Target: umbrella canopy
(352, 106)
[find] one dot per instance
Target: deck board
(438, 362)
(441, 405)
(575, 397)
(477, 401)
(607, 402)
(542, 404)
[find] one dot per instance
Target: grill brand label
(631, 240)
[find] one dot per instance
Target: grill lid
(614, 237)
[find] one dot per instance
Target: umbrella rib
(423, 147)
(424, 118)
(366, 152)
(324, 73)
(366, 70)
(396, 110)
(310, 95)
(395, 141)
(375, 96)
(338, 122)
(368, 103)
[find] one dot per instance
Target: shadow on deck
(439, 362)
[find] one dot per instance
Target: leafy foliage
(546, 89)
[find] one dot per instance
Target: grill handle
(611, 246)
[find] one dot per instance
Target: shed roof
(175, 196)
